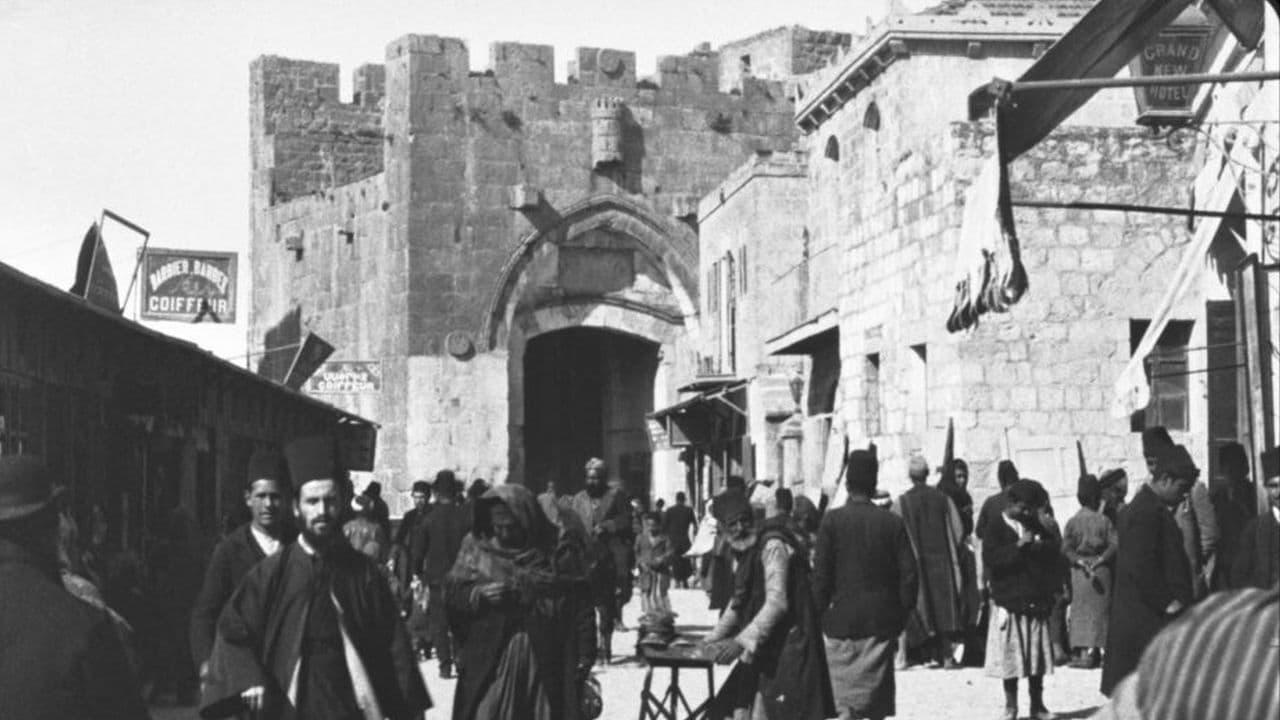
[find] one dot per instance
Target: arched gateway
(589, 310)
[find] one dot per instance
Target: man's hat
(421, 486)
(1006, 473)
(1155, 439)
(1111, 477)
(267, 465)
(1176, 461)
(446, 482)
(729, 505)
(312, 458)
(25, 487)
(863, 470)
(1028, 491)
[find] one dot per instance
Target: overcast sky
(141, 106)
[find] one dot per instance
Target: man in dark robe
(771, 625)
(935, 529)
(865, 585)
(1235, 503)
(993, 507)
(1257, 561)
(409, 545)
(60, 657)
(677, 522)
(313, 633)
(269, 528)
(1153, 577)
(442, 534)
(607, 515)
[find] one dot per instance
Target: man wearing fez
(313, 632)
(60, 657)
(865, 584)
(1152, 576)
(269, 528)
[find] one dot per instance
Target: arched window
(833, 149)
(871, 120)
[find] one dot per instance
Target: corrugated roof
(1013, 8)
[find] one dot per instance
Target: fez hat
(25, 487)
(1006, 473)
(1155, 439)
(1088, 489)
(729, 505)
(863, 470)
(421, 486)
(312, 458)
(1176, 461)
(267, 465)
(1271, 463)
(446, 482)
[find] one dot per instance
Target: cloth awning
(711, 416)
(804, 338)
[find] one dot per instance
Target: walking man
(934, 527)
(1153, 578)
(313, 631)
(59, 656)
(443, 532)
(607, 516)
(410, 546)
(677, 523)
(865, 585)
(269, 528)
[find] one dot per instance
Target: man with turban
(606, 512)
(313, 632)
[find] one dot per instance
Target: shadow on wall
(280, 344)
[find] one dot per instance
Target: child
(653, 557)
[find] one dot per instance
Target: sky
(142, 106)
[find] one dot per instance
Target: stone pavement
(923, 694)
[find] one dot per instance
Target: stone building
(864, 279)
(519, 254)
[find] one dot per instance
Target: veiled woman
(520, 607)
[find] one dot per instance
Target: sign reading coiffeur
(178, 284)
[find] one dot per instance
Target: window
(871, 119)
(871, 394)
(1166, 368)
(833, 149)
(744, 64)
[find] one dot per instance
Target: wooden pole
(1258, 348)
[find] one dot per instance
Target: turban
(730, 505)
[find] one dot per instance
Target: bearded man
(313, 632)
(607, 516)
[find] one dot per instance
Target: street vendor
(770, 626)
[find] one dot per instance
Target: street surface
(923, 694)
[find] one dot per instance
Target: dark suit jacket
(441, 536)
(1151, 571)
(59, 657)
(231, 561)
(865, 581)
(1257, 562)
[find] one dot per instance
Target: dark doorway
(586, 393)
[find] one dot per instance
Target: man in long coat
(606, 513)
(935, 530)
(1153, 577)
(1257, 563)
(59, 656)
(865, 585)
(269, 528)
(313, 632)
(442, 534)
(771, 625)
(408, 544)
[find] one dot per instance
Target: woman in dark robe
(520, 606)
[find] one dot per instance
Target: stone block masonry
(389, 221)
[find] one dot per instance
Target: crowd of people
(319, 608)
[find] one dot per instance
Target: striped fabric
(1222, 660)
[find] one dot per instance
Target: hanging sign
(179, 284)
(346, 377)
(1179, 49)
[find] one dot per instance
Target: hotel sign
(178, 284)
(1176, 50)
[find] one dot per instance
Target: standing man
(865, 585)
(411, 543)
(934, 526)
(1235, 503)
(313, 632)
(677, 524)
(442, 534)
(606, 513)
(1257, 562)
(269, 528)
(59, 656)
(1153, 579)
(771, 627)
(1194, 515)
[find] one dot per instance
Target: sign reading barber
(186, 285)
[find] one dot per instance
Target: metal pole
(1145, 81)
(1151, 209)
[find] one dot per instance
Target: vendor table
(672, 702)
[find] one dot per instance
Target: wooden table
(672, 702)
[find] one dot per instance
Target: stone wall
(779, 54)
